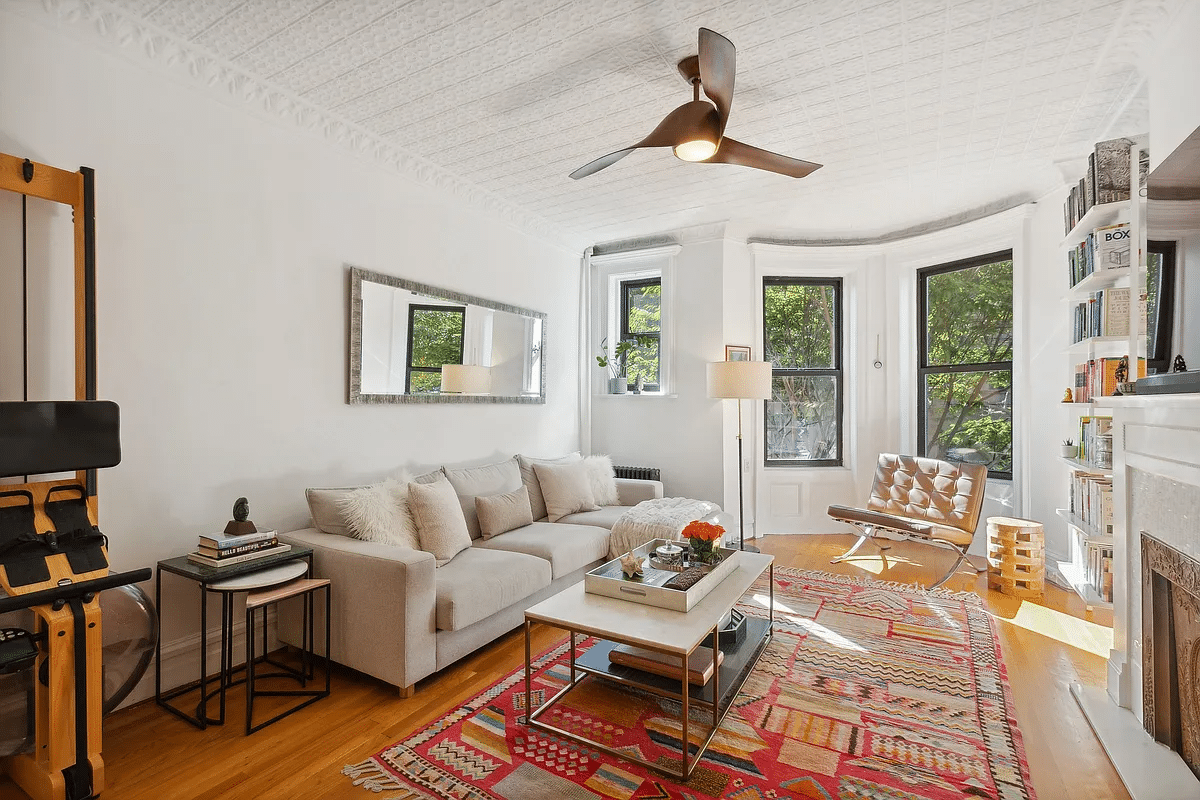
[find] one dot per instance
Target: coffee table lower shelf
(740, 660)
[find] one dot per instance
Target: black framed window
(964, 367)
(802, 338)
(435, 337)
(641, 326)
(1160, 305)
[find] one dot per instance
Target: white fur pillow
(603, 480)
(567, 488)
(379, 513)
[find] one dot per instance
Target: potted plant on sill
(1069, 450)
(616, 361)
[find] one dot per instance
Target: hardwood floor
(151, 755)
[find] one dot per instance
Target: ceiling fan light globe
(695, 150)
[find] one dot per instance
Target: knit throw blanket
(661, 518)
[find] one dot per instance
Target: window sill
(795, 468)
(659, 395)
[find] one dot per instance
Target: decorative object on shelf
(616, 361)
(1067, 398)
(740, 380)
(1069, 450)
(737, 352)
(631, 566)
(240, 524)
(1123, 370)
(1127, 387)
(1179, 365)
(1017, 556)
(639, 384)
(704, 539)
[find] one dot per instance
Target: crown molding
(116, 29)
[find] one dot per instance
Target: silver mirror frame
(355, 396)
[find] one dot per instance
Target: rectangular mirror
(415, 343)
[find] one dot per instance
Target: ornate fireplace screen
(403, 332)
(1171, 649)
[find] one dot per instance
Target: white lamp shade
(466, 379)
(742, 380)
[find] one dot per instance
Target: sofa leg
(407, 691)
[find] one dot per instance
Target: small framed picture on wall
(735, 352)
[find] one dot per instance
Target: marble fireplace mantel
(1156, 488)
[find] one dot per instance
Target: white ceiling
(919, 109)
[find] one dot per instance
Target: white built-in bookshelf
(1105, 276)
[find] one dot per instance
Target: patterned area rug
(869, 691)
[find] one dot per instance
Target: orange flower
(704, 531)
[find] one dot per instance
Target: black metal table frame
(718, 712)
(303, 675)
(201, 719)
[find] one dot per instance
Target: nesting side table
(225, 581)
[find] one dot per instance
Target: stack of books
(221, 550)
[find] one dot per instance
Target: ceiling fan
(696, 130)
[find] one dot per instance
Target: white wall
(222, 300)
(679, 433)
(1172, 72)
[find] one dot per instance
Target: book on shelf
(1098, 378)
(198, 558)
(1110, 246)
(221, 541)
(229, 552)
(700, 663)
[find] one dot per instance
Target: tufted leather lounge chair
(920, 498)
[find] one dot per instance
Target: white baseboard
(181, 657)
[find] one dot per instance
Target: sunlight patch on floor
(1069, 630)
(826, 635)
(876, 565)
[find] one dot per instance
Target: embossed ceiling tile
(306, 37)
(247, 25)
(881, 15)
(190, 17)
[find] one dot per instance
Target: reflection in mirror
(403, 333)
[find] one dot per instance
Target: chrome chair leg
(867, 533)
(962, 556)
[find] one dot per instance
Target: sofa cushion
(603, 479)
(566, 547)
(379, 513)
(500, 513)
(325, 507)
(566, 488)
(478, 582)
(441, 528)
(536, 501)
(606, 517)
(489, 479)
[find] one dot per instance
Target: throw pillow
(500, 513)
(489, 479)
(567, 489)
(325, 507)
(441, 527)
(536, 500)
(379, 513)
(603, 479)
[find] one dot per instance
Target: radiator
(640, 473)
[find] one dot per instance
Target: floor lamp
(740, 380)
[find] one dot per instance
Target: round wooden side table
(1016, 557)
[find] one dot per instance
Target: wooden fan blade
(592, 167)
(717, 67)
(732, 151)
(681, 125)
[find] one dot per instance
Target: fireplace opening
(1171, 648)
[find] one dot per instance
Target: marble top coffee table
(674, 633)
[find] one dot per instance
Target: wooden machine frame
(45, 773)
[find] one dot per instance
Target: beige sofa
(399, 618)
